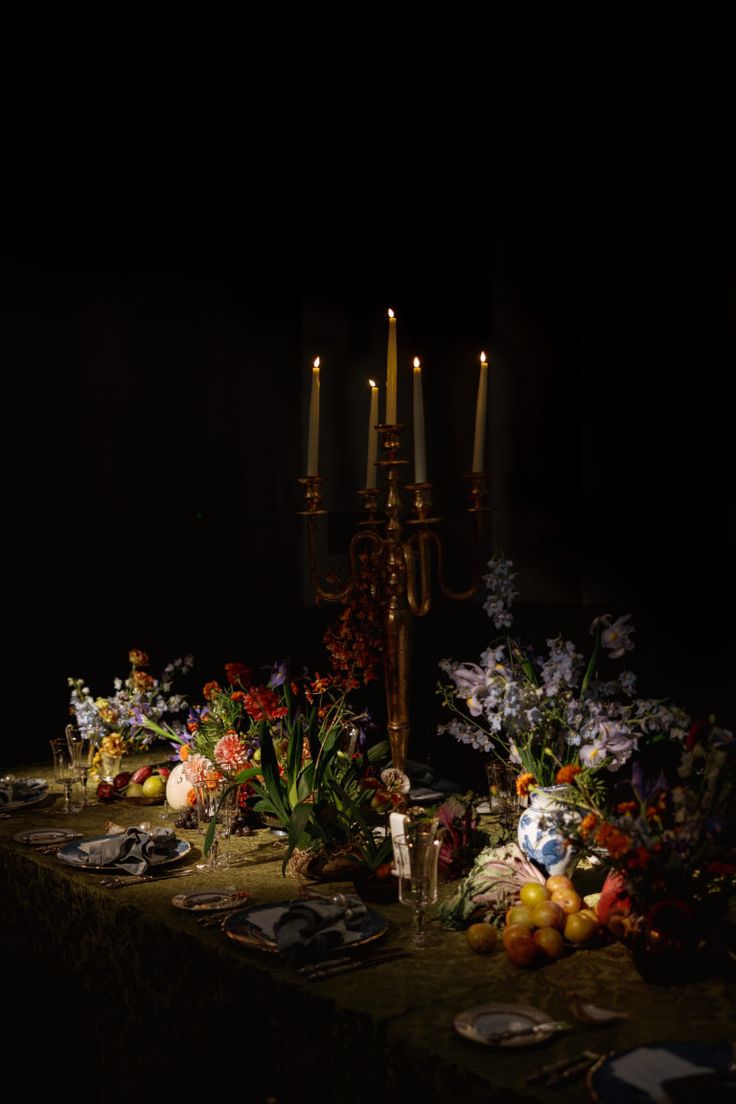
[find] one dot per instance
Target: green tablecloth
(122, 995)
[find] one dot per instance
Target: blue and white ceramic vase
(542, 836)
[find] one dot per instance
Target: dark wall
(158, 423)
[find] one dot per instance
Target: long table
(121, 995)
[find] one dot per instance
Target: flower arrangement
(355, 642)
(118, 723)
(301, 751)
(551, 714)
(673, 838)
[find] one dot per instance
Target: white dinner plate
(479, 1024)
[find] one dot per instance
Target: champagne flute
(63, 770)
(417, 854)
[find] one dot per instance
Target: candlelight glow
(391, 313)
(417, 363)
(315, 366)
(482, 358)
(372, 383)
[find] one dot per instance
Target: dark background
(157, 371)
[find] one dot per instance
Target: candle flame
(316, 364)
(482, 358)
(391, 313)
(372, 383)
(417, 363)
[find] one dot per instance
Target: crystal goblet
(416, 854)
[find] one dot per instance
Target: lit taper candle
(391, 371)
(313, 448)
(370, 475)
(420, 459)
(480, 416)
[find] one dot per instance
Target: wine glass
(416, 854)
(79, 747)
(63, 770)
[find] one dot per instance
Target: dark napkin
(133, 851)
(20, 789)
(309, 928)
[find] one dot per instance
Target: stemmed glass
(79, 750)
(63, 770)
(416, 854)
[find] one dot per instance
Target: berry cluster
(187, 818)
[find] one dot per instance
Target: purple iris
(278, 675)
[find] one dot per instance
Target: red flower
(210, 689)
(239, 672)
(617, 843)
(262, 703)
(142, 680)
(692, 737)
(638, 859)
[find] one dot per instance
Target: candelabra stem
(397, 666)
(398, 627)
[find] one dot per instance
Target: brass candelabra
(405, 558)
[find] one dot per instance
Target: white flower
(617, 637)
(395, 781)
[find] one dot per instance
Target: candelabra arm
(321, 593)
(459, 595)
(420, 603)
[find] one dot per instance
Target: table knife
(136, 879)
(356, 964)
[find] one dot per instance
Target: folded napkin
(425, 786)
(20, 789)
(133, 851)
(308, 928)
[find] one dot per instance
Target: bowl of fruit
(146, 786)
(548, 920)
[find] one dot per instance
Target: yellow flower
(107, 713)
(112, 744)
